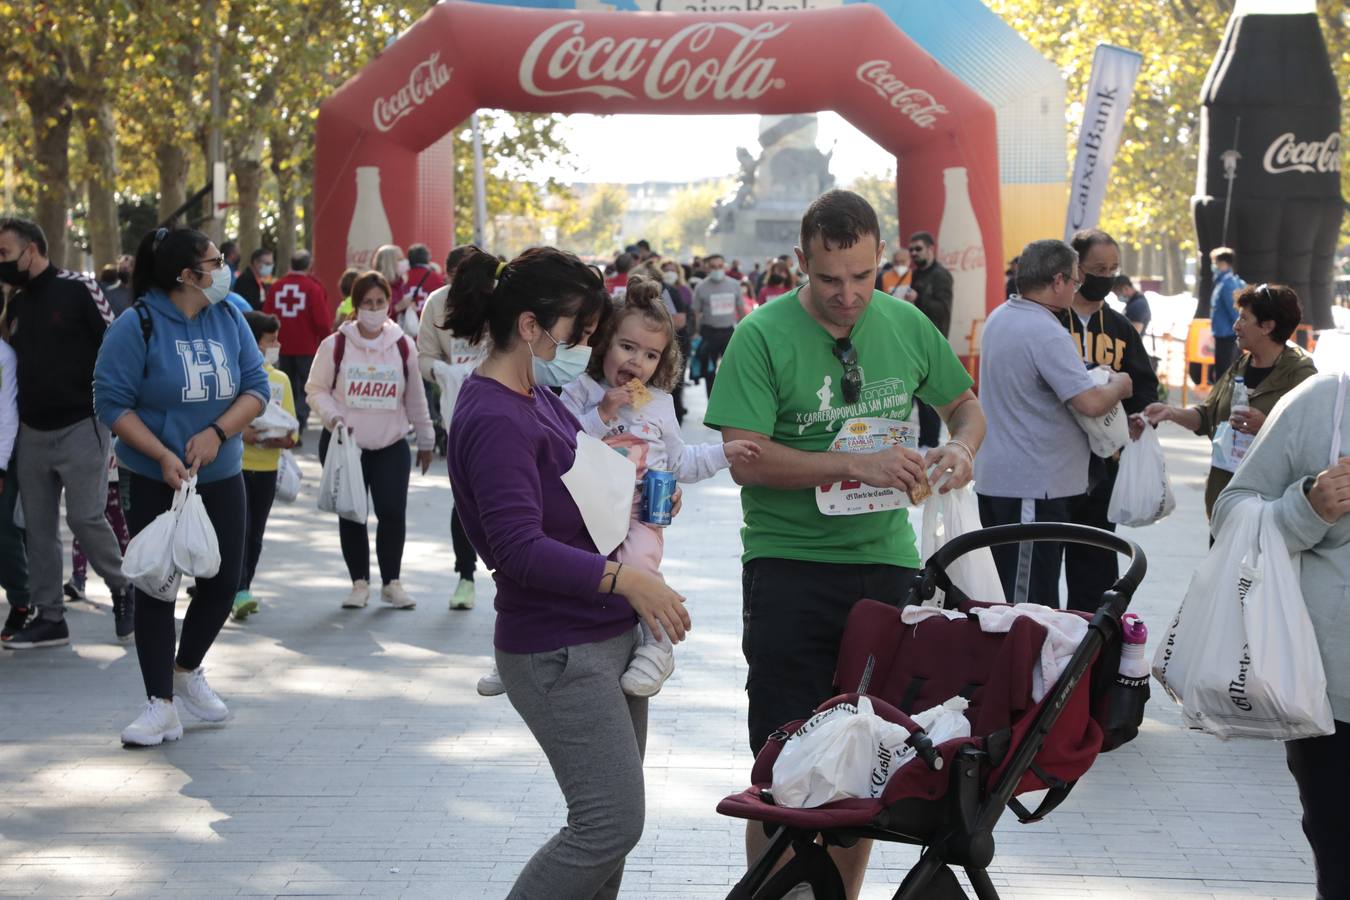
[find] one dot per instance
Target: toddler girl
(638, 345)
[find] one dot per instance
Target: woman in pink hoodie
(365, 379)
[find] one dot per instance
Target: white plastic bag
(949, 515)
(148, 561)
(1142, 494)
(288, 477)
(342, 489)
(275, 422)
(1241, 656)
(195, 549)
(1106, 433)
(409, 320)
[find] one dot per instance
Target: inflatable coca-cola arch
(384, 171)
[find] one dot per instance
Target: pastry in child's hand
(641, 396)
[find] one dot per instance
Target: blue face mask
(567, 365)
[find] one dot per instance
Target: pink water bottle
(1124, 701)
(1133, 636)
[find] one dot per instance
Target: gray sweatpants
(74, 458)
(594, 737)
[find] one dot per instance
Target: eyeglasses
(1076, 282)
(847, 354)
(916, 249)
(218, 260)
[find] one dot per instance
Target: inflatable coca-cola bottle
(1270, 154)
(961, 249)
(369, 230)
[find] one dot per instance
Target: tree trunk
(100, 141)
(172, 159)
(1148, 267)
(307, 201)
(248, 173)
(52, 119)
(1129, 259)
(281, 145)
(1176, 266)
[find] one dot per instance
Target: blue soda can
(658, 497)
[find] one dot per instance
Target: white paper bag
(195, 549)
(288, 477)
(949, 515)
(601, 484)
(1241, 656)
(1142, 494)
(148, 561)
(1107, 433)
(342, 487)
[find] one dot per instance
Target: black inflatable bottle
(1269, 184)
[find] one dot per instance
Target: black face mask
(10, 274)
(1095, 287)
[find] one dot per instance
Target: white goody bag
(288, 477)
(1107, 433)
(1142, 494)
(1241, 656)
(275, 422)
(949, 515)
(148, 561)
(342, 488)
(195, 549)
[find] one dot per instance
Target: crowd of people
(512, 367)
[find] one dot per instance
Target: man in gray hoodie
(1300, 463)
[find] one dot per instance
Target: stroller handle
(934, 574)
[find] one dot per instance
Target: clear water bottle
(1241, 401)
(1126, 697)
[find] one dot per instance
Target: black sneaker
(74, 591)
(18, 617)
(192, 591)
(124, 613)
(39, 633)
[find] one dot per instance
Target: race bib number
(372, 387)
(723, 304)
(866, 435)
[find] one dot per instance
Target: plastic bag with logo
(195, 549)
(1106, 433)
(1142, 494)
(274, 422)
(949, 515)
(288, 477)
(1241, 656)
(148, 561)
(342, 488)
(832, 755)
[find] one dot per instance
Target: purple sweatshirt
(507, 454)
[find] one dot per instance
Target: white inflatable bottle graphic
(961, 249)
(369, 230)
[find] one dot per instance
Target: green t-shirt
(780, 378)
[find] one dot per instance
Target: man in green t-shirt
(832, 365)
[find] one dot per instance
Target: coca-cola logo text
(918, 105)
(1287, 154)
(426, 78)
(673, 66)
(967, 260)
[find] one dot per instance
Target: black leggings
(466, 560)
(261, 490)
(1319, 768)
(206, 613)
(386, 472)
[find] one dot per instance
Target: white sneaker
(359, 595)
(490, 685)
(463, 598)
(157, 723)
(191, 689)
(651, 665)
(394, 594)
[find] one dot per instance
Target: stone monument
(763, 217)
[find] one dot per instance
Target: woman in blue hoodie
(177, 380)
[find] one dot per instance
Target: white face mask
(272, 355)
(670, 277)
(717, 274)
(402, 267)
(219, 287)
(372, 319)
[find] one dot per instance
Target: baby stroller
(949, 798)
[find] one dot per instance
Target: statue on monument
(773, 190)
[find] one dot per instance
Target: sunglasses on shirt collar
(847, 354)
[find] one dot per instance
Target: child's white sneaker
(157, 723)
(197, 697)
(394, 594)
(490, 685)
(650, 667)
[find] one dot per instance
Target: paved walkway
(359, 760)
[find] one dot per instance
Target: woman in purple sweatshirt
(566, 615)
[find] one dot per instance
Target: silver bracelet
(963, 446)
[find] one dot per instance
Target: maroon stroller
(949, 798)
